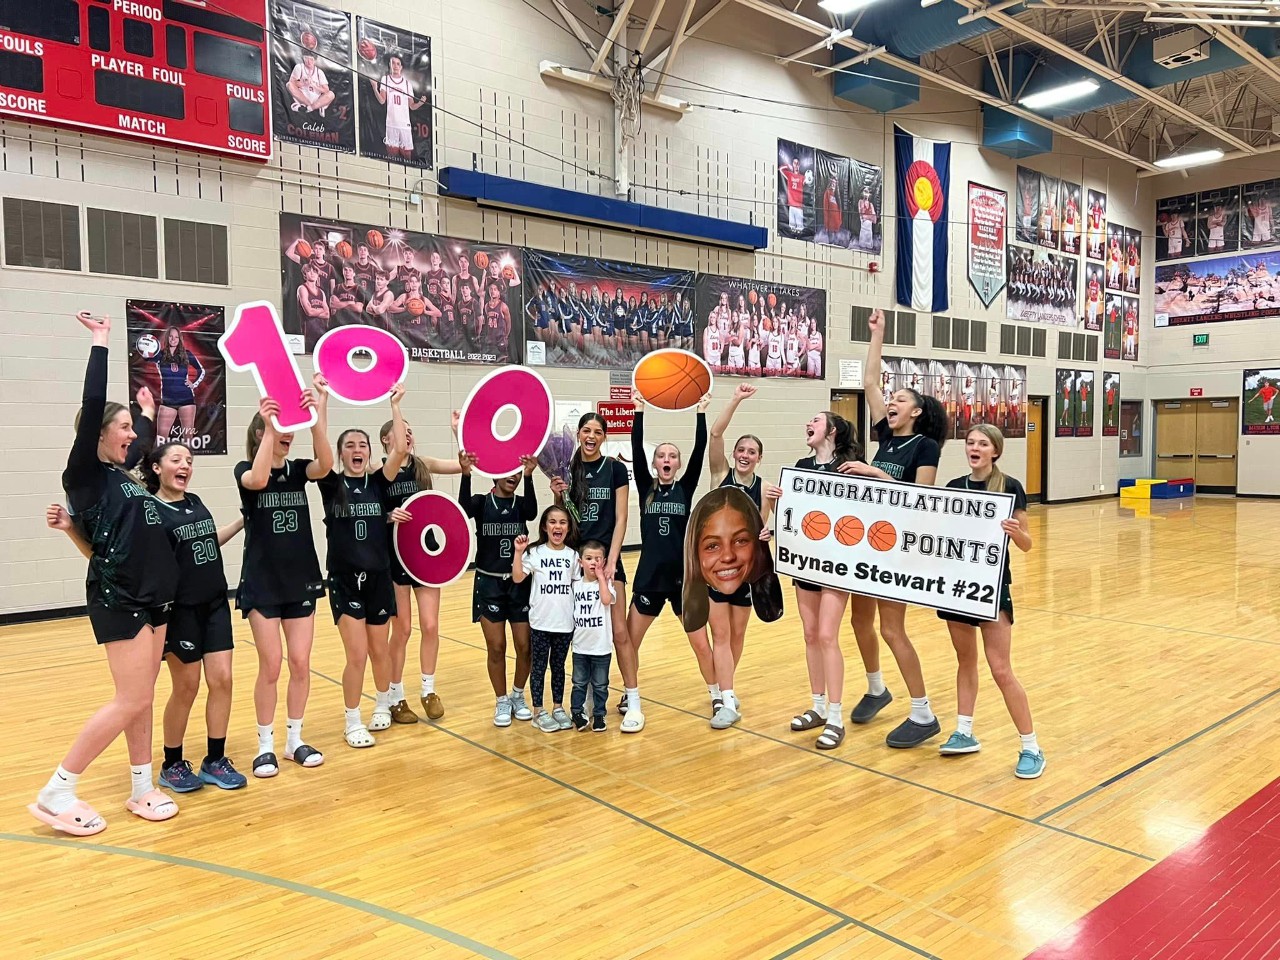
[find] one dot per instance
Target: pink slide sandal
(79, 820)
(153, 806)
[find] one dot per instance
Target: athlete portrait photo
(394, 93)
(312, 100)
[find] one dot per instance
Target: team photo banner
(930, 546)
(755, 328)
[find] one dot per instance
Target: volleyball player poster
(796, 215)
(1086, 403)
(393, 93)
(750, 328)
(1218, 221)
(448, 300)
(1065, 404)
(1261, 226)
(1050, 197)
(173, 351)
(1110, 404)
(602, 314)
(1071, 216)
(1026, 214)
(1095, 224)
(311, 77)
(1175, 221)
(1258, 401)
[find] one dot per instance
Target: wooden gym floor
(1149, 646)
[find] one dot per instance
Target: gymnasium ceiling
(1143, 111)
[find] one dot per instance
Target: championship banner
(988, 214)
(602, 314)
(929, 546)
(753, 328)
(1241, 287)
(173, 351)
(1110, 404)
(1218, 221)
(1175, 219)
(1095, 225)
(311, 95)
(923, 179)
(447, 300)
(394, 93)
(1043, 286)
(1257, 403)
(795, 190)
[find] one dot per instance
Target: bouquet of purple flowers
(556, 457)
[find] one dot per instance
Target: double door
(1198, 439)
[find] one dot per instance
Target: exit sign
(1199, 339)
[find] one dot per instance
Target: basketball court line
(1151, 626)
(820, 935)
(292, 886)
(1110, 781)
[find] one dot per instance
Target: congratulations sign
(932, 546)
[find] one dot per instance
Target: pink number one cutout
(335, 353)
(431, 509)
(510, 388)
(255, 342)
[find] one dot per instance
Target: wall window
(43, 235)
(123, 244)
(195, 252)
(1131, 428)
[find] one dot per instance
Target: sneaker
(599, 726)
(402, 713)
(911, 734)
(222, 774)
(433, 706)
(726, 716)
(180, 778)
(1030, 765)
(959, 743)
(869, 706)
(520, 707)
(561, 718)
(579, 722)
(546, 723)
(502, 712)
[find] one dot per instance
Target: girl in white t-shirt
(553, 565)
(592, 638)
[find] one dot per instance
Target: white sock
(920, 710)
(1029, 742)
(517, 693)
(382, 702)
(633, 699)
(59, 793)
(142, 782)
(875, 683)
(820, 704)
(353, 719)
(714, 690)
(964, 725)
(293, 734)
(266, 739)
(835, 713)
(395, 693)
(730, 698)
(428, 683)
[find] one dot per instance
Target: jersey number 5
(664, 526)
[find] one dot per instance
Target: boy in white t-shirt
(592, 638)
(553, 566)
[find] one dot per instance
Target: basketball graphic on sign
(815, 525)
(849, 531)
(882, 536)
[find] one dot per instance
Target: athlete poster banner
(754, 328)
(311, 79)
(1070, 234)
(1094, 304)
(940, 548)
(1042, 286)
(1129, 324)
(1110, 404)
(1027, 219)
(795, 190)
(832, 184)
(970, 393)
(1132, 261)
(1257, 402)
(447, 300)
(1114, 259)
(1113, 319)
(394, 93)
(1175, 219)
(1086, 403)
(1261, 224)
(1065, 404)
(602, 314)
(1095, 225)
(1241, 287)
(1218, 221)
(173, 351)
(988, 214)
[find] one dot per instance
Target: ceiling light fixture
(841, 7)
(1061, 94)
(1183, 160)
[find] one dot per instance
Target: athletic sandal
(305, 756)
(716, 704)
(265, 765)
(809, 720)
(622, 705)
(632, 722)
(869, 706)
(79, 819)
(725, 717)
(433, 705)
(381, 720)
(910, 734)
(153, 806)
(830, 738)
(358, 737)
(401, 713)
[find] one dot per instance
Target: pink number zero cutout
(255, 342)
(431, 508)
(516, 388)
(334, 356)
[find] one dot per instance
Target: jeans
(591, 668)
(549, 649)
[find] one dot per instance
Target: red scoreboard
(187, 72)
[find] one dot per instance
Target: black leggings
(552, 648)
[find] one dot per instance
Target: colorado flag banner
(923, 182)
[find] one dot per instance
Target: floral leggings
(553, 649)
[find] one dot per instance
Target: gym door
(1197, 439)
(1034, 482)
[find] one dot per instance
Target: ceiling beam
(660, 57)
(828, 42)
(676, 40)
(648, 27)
(572, 23)
(619, 21)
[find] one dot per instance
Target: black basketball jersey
(280, 564)
(597, 514)
(664, 512)
(356, 524)
(194, 536)
(811, 463)
(753, 489)
(498, 521)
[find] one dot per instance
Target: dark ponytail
(150, 475)
(932, 421)
(577, 472)
(845, 443)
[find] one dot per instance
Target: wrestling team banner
(934, 547)
(1238, 287)
(923, 180)
(988, 214)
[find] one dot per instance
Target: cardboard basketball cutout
(672, 380)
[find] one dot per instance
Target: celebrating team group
(157, 593)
